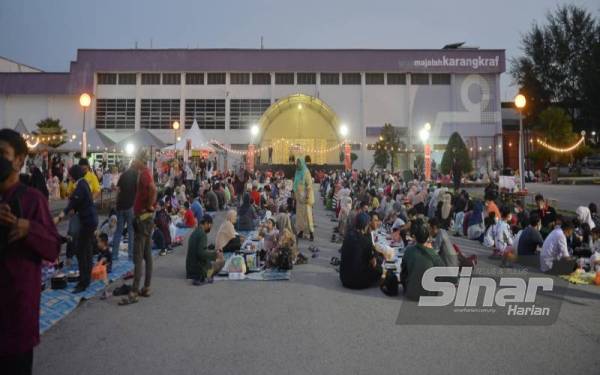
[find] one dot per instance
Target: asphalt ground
(309, 324)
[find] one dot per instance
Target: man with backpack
(27, 236)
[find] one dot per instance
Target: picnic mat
(580, 278)
(266, 275)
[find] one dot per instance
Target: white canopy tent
(141, 138)
(21, 128)
(97, 142)
(194, 135)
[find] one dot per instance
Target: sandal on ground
(145, 292)
(130, 299)
(335, 261)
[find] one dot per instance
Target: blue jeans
(125, 216)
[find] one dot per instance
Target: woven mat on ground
(580, 278)
(266, 275)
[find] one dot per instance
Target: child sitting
(104, 262)
(503, 240)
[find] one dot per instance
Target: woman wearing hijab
(444, 211)
(246, 214)
(476, 226)
(584, 215)
(37, 181)
(227, 239)
(358, 264)
(305, 199)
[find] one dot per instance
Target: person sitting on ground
(595, 256)
(270, 235)
(110, 228)
(546, 213)
(246, 215)
(212, 201)
(197, 209)
(585, 216)
(285, 245)
(255, 195)
(530, 241)
(521, 216)
(442, 244)
(189, 221)
(503, 240)
(490, 205)
(103, 262)
(162, 220)
(594, 212)
(554, 257)
(200, 263)
(490, 230)
(358, 264)
(444, 211)
(227, 239)
(282, 219)
(475, 225)
(417, 259)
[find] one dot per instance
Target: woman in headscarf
(476, 226)
(358, 265)
(246, 214)
(346, 207)
(444, 212)
(584, 215)
(227, 239)
(305, 199)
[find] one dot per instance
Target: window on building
(284, 78)
(396, 79)
(306, 78)
(419, 79)
(127, 79)
(330, 78)
(374, 78)
(239, 78)
(150, 78)
(171, 79)
(351, 79)
(115, 113)
(216, 78)
(107, 79)
(440, 79)
(209, 113)
(261, 78)
(194, 78)
(244, 112)
(159, 113)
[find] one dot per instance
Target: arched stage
(299, 125)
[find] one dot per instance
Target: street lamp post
(520, 102)
(254, 130)
(424, 135)
(175, 129)
(347, 151)
(84, 100)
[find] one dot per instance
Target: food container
(58, 281)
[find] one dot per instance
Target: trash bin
(553, 172)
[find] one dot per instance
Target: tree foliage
(50, 131)
(387, 147)
(557, 129)
(456, 148)
(561, 65)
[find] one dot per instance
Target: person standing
(82, 203)
(305, 199)
(27, 236)
(456, 173)
(143, 209)
(126, 188)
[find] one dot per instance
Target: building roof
(19, 65)
(90, 61)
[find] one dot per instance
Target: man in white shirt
(554, 257)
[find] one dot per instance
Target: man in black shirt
(546, 213)
(529, 241)
(126, 189)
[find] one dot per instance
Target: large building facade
(302, 97)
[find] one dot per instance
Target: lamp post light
(344, 130)
(175, 129)
(424, 136)
(84, 100)
(254, 130)
(520, 103)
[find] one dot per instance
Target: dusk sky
(46, 34)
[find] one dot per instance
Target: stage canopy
(195, 135)
(97, 142)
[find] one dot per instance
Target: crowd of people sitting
(422, 217)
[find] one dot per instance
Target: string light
(561, 150)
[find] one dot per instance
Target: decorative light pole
(254, 130)
(347, 154)
(520, 102)
(424, 135)
(175, 129)
(84, 100)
